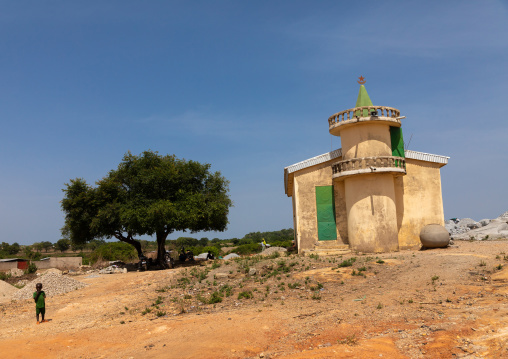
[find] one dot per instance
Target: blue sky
(247, 86)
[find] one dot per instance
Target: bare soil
(441, 303)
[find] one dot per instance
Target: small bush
(350, 340)
(316, 295)
(32, 268)
(226, 290)
(114, 251)
(216, 297)
(245, 249)
(4, 276)
(246, 295)
(347, 263)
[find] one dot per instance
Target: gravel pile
(272, 250)
(52, 284)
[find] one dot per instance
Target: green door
(397, 143)
(325, 205)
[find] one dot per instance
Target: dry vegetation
(439, 303)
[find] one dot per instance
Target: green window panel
(325, 205)
(397, 142)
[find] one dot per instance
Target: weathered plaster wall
(366, 140)
(305, 182)
(5, 266)
(419, 200)
(60, 263)
(340, 212)
(371, 213)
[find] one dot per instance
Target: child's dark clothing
(40, 304)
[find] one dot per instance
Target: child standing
(40, 303)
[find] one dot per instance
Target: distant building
(370, 195)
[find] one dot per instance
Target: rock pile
(468, 228)
(15, 272)
(52, 284)
(272, 250)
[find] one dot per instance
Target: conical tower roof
(363, 100)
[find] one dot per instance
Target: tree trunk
(132, 242)
(161, 248)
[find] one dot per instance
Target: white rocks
(112, 270)
(52, 284)
(272, 250)
(485, 229)
(484, 222)
(15, 272)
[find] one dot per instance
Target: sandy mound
(6, 291)
(52, 284)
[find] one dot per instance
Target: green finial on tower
(363, 98)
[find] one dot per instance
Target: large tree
(147, 194)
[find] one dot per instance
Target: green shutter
(325, 205)
(397, 142)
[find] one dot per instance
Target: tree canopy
(149, 194)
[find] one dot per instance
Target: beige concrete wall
(371, 213)
(305, 182)
(60, 263)
(419, 200)
(6, 266)
(366, 140)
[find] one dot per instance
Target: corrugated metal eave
(429, 157)
(314, 161)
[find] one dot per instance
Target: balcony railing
(382, 113)
(369, 165)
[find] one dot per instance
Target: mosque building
(369, 196)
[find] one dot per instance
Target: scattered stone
(486, 229)
(252, 271)
(15, 272)
(52, 284)
(484, 222)
(273, 250)
(112, 270)
(53, 270)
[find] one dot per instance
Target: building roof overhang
(289, 170)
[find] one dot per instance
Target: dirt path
(413, 304)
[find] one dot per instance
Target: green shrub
(114, 251)
(284, 244)
(215, 251)
(4, 276)
(245, 249)
(226, 290)
(32, 268)
(347, 263)
(216, 297)
(246, 295)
